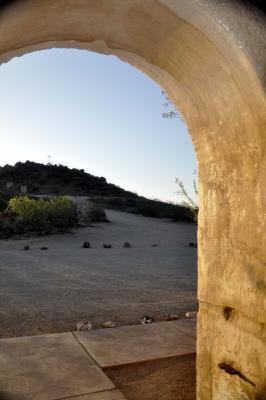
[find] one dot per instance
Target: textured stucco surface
(209, 57)
(246, 24)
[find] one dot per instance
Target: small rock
(146, 320)
(44, 248)
(127, 244)
(84, 325)
(109, 324)
(107, 245)
(27, 247)
(171, 317)
(193, 244)
(191, 314)
(86, 245)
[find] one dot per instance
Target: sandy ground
(167, 379)
(49, 291)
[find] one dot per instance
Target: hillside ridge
(52, 179)
(56, 179)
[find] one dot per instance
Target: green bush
(96, 213)
(158, 209)
(10, 225)
(43, 216)
(116, 203)
(148, 207)
(4, 198)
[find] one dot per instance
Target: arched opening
(107, 120)
(218, 90)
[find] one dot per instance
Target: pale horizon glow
(97, 113)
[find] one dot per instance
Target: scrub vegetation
(19, 214)
(43, 216)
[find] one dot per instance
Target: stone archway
(208, 56)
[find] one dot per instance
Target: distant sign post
(23, 189)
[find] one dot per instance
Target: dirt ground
(167, 379)
(45, 291)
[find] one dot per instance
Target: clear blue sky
(93, 112)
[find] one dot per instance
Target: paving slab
(187, 326)
(47, 367)
(130, 344)
(107, 395)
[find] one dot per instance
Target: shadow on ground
(166, 379)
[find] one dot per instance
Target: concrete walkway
(67, 365)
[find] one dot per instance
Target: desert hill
(49, 179)
(56, 179)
